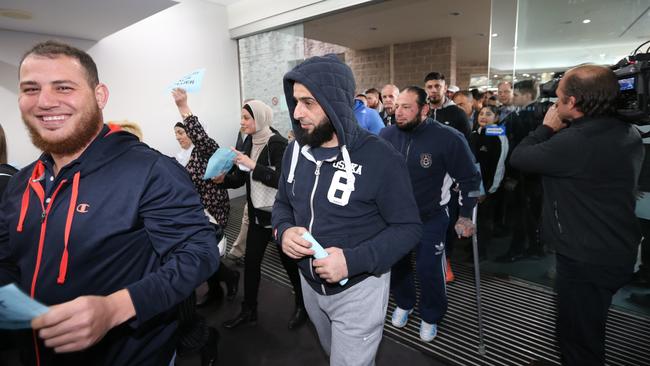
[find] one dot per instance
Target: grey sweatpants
(350, 324)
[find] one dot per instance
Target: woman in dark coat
(259, 167)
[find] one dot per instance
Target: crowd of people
(116, 237)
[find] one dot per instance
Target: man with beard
(389, 95)
(106, 231)
(435, 154)
(442, 108)
(333, 187)
(374, 99)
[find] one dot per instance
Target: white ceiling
(550, 33)
(84, 19)
(398, 21)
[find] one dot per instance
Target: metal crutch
(477, 283)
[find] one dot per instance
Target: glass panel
(264, 59)
(533, 40)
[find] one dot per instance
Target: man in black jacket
(442, 109)
(590, 163)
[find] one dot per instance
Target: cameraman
(590, 162)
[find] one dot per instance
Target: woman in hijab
(259, 168)
(196, 149)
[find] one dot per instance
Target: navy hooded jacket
(437, 155)
(120, 216)
(360, 201)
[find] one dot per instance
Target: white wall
(138, 63)
(141, 61)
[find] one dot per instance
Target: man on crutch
(435, 155)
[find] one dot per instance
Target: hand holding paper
(321, 253)
(17, 309)
(191, 82)
(78, 324)
(242, 160)
(220, 163)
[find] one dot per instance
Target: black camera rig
(633, 73)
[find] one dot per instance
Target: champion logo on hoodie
(83, 208)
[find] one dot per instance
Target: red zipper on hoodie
(34, 184)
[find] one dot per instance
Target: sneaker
(428, 331)
(449, 275)
(400, 317)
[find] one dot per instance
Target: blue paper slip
(320, 252)
(17, 309)
(495, 130)
(190, 82)
(220, 162)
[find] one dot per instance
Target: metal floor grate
(519, 319)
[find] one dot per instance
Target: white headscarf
(183, 156)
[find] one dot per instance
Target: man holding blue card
(334, 188)
(107, 232)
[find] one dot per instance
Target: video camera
(633, 73)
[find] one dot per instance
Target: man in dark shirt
(389, 95)
(442, 109)
(590, 163)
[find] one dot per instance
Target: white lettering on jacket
(356, 168)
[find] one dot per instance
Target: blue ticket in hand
(17, 309)
(320, 252)
(220, 162)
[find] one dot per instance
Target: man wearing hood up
(107, 232)
(334, 188)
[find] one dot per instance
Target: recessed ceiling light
(373, 28)
(566, 22)
(15, 14)
(454, 13)
(586, 21)
(495, 34)
(480, 34)
(496, 76)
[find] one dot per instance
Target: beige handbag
(263, 196)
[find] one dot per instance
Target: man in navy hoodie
(106, 231)
(334, 188)
(436, 156)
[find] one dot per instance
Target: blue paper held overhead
(17, 309)
(320, 251)
(190, 82)
(220, 162)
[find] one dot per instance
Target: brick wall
(371, 67)
(266, 57)
(414, 60)
(465, 71)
